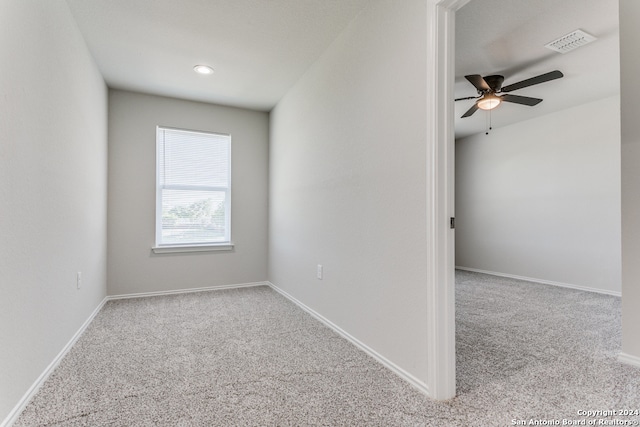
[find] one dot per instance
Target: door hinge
(452, 223)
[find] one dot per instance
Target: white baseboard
(186, 291)
(22, 403)
(629, 359)
(542, 281)
(412, 380)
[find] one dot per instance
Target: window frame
(224, 245)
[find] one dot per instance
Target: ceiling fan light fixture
(489, 102)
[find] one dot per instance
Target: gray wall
(630, 103)
(133, 268)
(53, 189)
(541, 198)
(348, 184)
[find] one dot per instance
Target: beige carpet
(249, 357)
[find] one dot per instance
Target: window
(193, 198)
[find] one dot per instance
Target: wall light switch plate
(79, 279)
(319, 272)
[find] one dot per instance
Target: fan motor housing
(494, 82)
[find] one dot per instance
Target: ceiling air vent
(571, 41)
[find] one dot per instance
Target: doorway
(570, 153)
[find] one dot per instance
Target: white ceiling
(507, 37)
(259, 48)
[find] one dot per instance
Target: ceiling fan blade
(470, 111)
(524, 100)
(478, 82)
(468, 97)
(533, 81)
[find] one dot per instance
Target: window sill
(193, 248)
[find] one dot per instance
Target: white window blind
(193, 198)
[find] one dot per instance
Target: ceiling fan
(490, 86)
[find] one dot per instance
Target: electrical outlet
(319, 272)
(79, 279)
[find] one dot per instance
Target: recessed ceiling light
(203, 69)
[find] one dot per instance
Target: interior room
(537, 189)
(314, 285)
(536, 184)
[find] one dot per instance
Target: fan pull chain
(489, 122)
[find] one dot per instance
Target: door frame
(441, 352)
